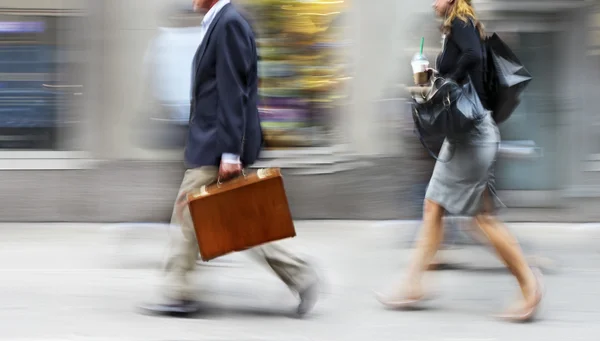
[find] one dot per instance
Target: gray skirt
(459, 184)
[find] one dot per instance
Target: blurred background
(94, 102)
(94, 105)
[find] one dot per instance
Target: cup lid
(419, 57)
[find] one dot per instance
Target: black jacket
(224, 114)
(463, 56)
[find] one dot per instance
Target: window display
(301, 68)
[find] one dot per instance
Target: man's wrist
(230, 158)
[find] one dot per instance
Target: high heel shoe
(403, 302)
(527, 312)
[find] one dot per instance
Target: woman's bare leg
(432, 235)
(510, 252)
(476, 233)
(534, 260)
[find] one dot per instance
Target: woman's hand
(432, 73)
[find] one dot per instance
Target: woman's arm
(466, 37)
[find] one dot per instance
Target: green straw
(422, 43)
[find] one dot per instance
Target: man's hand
(228, 170)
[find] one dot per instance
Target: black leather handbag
(448, 110)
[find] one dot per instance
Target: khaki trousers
(293, 271)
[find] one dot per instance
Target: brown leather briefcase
(241, 213)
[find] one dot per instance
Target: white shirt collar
(212, 13)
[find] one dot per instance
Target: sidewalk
(83, 281)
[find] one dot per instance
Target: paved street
(82, 282)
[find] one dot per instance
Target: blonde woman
(464, 185)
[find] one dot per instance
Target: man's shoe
(308, 299)
(179, 308)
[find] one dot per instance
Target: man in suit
(224, 135)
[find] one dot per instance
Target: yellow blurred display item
(300, 69)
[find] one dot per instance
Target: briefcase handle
(182, 201)
(219, 182)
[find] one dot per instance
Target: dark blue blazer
(224, 114)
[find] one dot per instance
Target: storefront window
(534, 122)
(28, 62)
(593, 74)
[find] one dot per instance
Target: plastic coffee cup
(420, 64)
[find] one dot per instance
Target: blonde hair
(463, 10)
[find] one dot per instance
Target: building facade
(74, 151)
